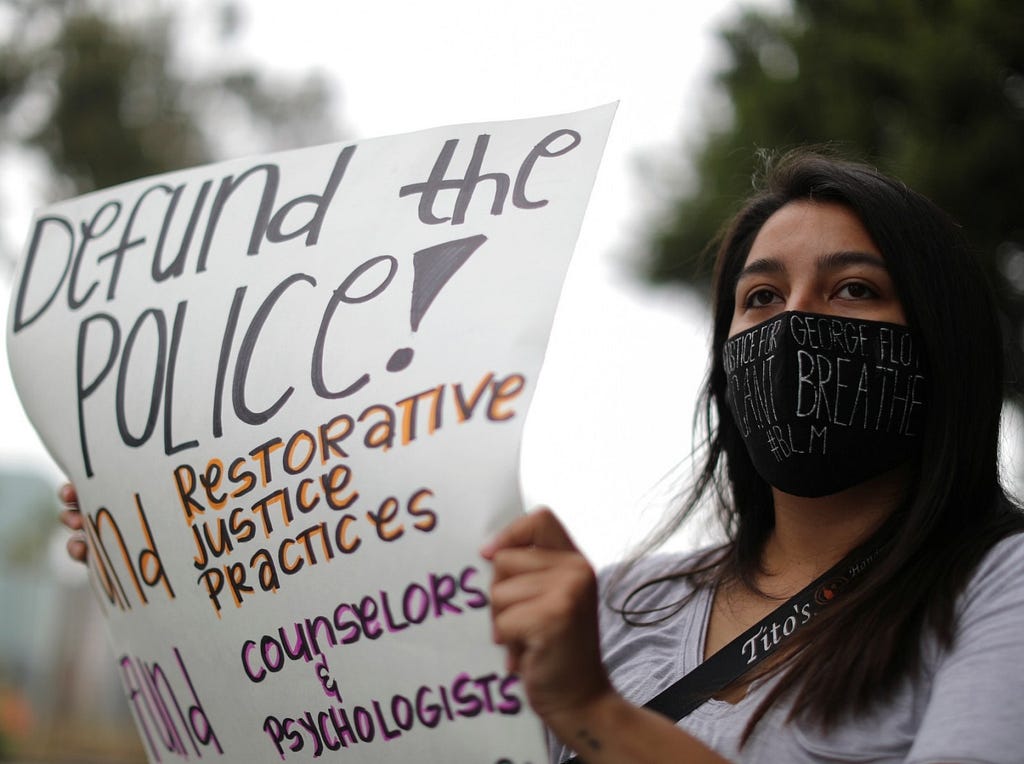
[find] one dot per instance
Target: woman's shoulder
(1005, 555)
(976, 690)
(998, 580)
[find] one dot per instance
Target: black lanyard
(763, 638)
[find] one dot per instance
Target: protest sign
(290, 390)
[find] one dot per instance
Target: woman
(871, 590)
(853, 407)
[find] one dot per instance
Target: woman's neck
(812, 535)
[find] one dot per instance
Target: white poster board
(290, 390)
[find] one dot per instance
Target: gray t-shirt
(967, 706)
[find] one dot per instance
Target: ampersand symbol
(330, 686)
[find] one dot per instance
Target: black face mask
(824, 402)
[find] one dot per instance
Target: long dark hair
(955, 508)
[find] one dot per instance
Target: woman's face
(818, 258)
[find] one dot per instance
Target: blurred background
(96, 92)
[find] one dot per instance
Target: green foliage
(119, 113)
(101, 91)
(930, 91)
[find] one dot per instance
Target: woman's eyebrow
(829, 262)
(834, 261)
(761, 266)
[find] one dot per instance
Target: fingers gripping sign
(544, 610)
(71, 518)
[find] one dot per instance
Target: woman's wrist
(608, 728)
(584, 727)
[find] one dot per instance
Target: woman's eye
(856, 290)
(760, 298)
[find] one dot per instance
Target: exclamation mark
(432, 268)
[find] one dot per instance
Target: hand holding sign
(544, 598)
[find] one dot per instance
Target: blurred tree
(930, 91)
(104, 93)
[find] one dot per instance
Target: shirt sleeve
(976, 709)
